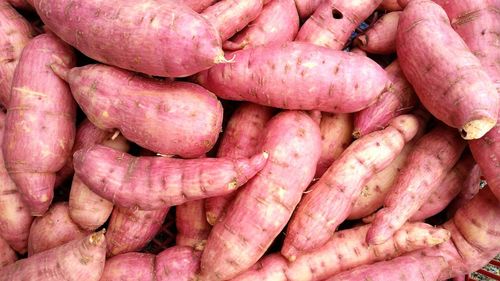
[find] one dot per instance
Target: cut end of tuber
(356, 134)
(265, 154)
(221, 59)
(97, 238)
(476, 129)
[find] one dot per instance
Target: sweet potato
(130, 267)
(262, 209)
(167, 117)
(81, 259)
(298, 75)
(402, 268)
(333, 22)
(271, 267)
(447, 190)
(15, 34)
(157, 182)
(197, 5)
(55, 228)
(391, 5)
(397, 100)
(467, 99)
(469, 189)
(306, 7)
(164, 38)
(242, 137)
(278, 23)
(15, 218)
(40, 125)
(177, 264)
(132, 229)
(330, 199)
(7, 255)
(336, 135)
(358, 51)
(231, 16)
(192, 225)
(381, 37)
(426, 166)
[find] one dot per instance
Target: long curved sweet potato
(298, 75)
(164, 38)
(192, 225)
(81, 259)
(241, 138)
(157, 182)
(40, 126)
(329, 202)
(241, 237)
(167, 117)
(7, 255)
(278, 23)
(448, 79)
(381, 37)
(426, 166)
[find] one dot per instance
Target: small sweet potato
(55, 228)
(329, 201)
(164, 38)
(381, 37)
(448, 79)
(278, 23)
(171, 118)
(81, 259)
(131, 266)
(192, 225)
(158, 182)
(298, 75)
(40, 126)
(241, 138)
(7, 255)
(262, 209)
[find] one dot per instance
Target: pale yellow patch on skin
(309, 64)
(105, 114)
(28, 91)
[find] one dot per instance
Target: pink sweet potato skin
(231, 16)
(168, 117)
(397, 100)
(81, 259)
(448, 189)
(381, 37)
(391, 5)
(400, 268)
(347, 249)
(130, 267)
(329, 202)
(177, 264)
(306, 7)
(131, 229)
(333, 22)
(262, 209)
(281, 76)
(15, 33)
(336, 136)
(55, 228)
(157, 182)
(426, 166)
(192, 225)
(469, 189)
(271, 267)
(157, 38)
(278, 23)
(241, 138)
(15, 218)
(40, 126)
(468, 100)
(197, 5)
(7, 255)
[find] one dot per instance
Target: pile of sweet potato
(290, 144)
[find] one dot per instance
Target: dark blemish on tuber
(336, 14)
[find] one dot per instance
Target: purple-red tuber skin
(158, 182)
(171, 118)
(470, 188)
(7, 255)
(269, 268)
(305, 8)
(15, 33)
(230, 16)
(264, 206)
(330, 199)
(278, 23)
(426, 166)
(397, 100)
(132, 229)
(81, 259)
(242, 138)
(454, 87)
(486, 152)
(281, 76)
(333, 22)
(391, 5)
(164, 38)
(130, 267)
(55, 228)
(381, 37)
(197, 5)
(192, 225)
(40, 125)
(15, 218)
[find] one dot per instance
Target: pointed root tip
(361, 41)
(356, 134)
